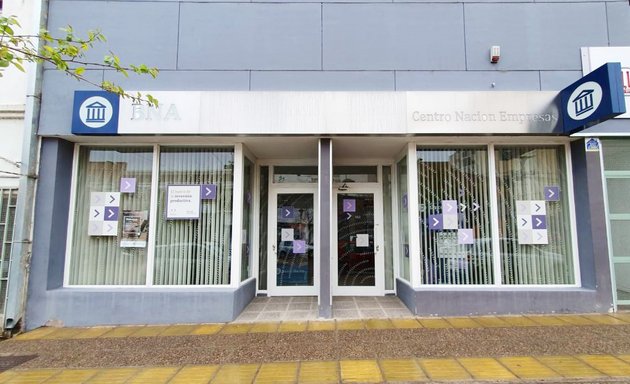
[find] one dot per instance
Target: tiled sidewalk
(305, 308)
(49, 333)
(526, 368)
(519, 369)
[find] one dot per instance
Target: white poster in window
(447, 245)
(135, 229)
(287, 234)
(183, 202)
(363, 240)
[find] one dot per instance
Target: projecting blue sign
(594, 98)
(95, 113)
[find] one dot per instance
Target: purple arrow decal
(552, 193)
(465, 236)
(287, 212)
(524, 222)
(538, 207)
(96, 213)
(128, 185)
(449, 205)
(539, 221)
(299, 246)
(208, 191)
(435, 222)
(349, 216)
(349, 205)
(111, 213)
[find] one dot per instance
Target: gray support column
(325, 206)
(591, 224)
(52, 204)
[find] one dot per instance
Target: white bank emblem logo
(96, 112)
(584, 101)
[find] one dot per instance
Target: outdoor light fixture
(495, 53)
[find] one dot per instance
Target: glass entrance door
(292, 245)
(358, 265)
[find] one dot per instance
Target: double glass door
(357, 249)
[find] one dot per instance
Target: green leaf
(18, 66)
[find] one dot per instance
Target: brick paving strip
(586, 348)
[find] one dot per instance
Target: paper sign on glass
(135, 229)
(450, 221)
(286, 234)
(183, 202)
(363, 240)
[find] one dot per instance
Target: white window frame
(237, 211)
(490, 145)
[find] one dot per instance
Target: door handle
(378, 247)
(273, 248)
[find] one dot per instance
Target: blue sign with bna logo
(95, 113)
(594, 98)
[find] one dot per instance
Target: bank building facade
(334, 149)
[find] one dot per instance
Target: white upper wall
(13, 87)
(13, 81)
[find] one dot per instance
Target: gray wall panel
(618, 23)
(583, 220)
(535, 36)
(322, 81)
(406, 294)
(250, 36)
(393, 36)
(83, 307)
(57, 96)
(138, 32)
(558, 80)
(461, 303)
(61, 207)
(186, 81)
(325, 215)
(467, 81)
(49, 231)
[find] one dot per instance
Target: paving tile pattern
(591, 348)
(522, 369)
(305, 308)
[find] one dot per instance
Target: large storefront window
(534, 220)
(111, 225)
(454, 211)
(192, 245)
(457, 218)
(617, 173)
(193, 231)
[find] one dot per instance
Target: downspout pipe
(15, 304)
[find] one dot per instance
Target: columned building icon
(583, 102)
(95, 112)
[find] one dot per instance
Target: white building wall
(13, 99)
